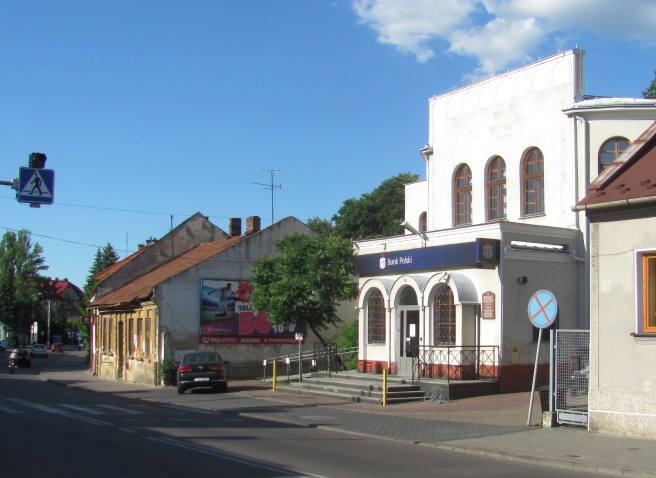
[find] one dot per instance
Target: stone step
(357, 390)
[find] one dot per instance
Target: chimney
(253, 224)
(235, 227)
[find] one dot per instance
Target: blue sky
(149, 109)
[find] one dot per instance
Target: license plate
(202, 379)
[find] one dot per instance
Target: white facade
(542, 242)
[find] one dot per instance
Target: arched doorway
(408, 343)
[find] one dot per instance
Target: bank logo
(382, 261)
(488, 251)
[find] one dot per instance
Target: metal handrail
(330, 354)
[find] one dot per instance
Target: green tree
(376, 214)
(650, 92)
(20, 267)
(303, 284)
(320, 226)
(104, 259)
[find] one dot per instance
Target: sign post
(542, 312)
(299, 337)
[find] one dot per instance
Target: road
(47, 426)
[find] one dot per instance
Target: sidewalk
(492, 425)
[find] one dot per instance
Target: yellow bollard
(275, 376)
(384, 387)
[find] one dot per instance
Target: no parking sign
(542, 309)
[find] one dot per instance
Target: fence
(461, 362)
(571, 372)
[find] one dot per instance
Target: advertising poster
(227, 316)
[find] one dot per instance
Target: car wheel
(181, 390)
(224, 387)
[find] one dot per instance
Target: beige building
(621, 208)
(197, 300)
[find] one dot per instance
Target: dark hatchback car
(202, 370)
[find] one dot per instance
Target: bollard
(384, 387)
(275, 376)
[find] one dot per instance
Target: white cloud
(502, 33)
(411, 24)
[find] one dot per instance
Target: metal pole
(535, 372)
(48, 338)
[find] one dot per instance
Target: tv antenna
(271, 186)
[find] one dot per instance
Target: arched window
(423, 222)
(463, 196)
(444, 317)
(496, 190)
(533, 170)
(376, 318)
(610, 150)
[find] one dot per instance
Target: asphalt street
(491, 426)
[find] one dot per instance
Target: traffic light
(38, 160)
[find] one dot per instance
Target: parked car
(3, 345)
(39, 350)
(202, 370)
(23, 358)
(57, 347)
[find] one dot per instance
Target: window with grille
(444, 317)
(533, 182)
(649, 293)
(110, 347)
(610, 150)
(140, 334)
(496, 190)
(131, 341)
(147, 340)
(463, 196)
(376, 318)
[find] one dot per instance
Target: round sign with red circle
(542, 309)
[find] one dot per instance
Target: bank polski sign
(481, 253)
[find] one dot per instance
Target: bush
(347, 338)
(168, 369)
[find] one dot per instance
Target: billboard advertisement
(227, 316)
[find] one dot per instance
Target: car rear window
(201, 358)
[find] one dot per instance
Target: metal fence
(463, 362)
(571, 361)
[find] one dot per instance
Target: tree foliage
(650, 92)
(304, 283)
(104, 259)
(20, 266)
(375, 214)
(320, 226)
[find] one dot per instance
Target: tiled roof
(102, 275)
(141, 288)
(54, 288)
(630, 179)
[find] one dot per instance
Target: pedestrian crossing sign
(36, 186)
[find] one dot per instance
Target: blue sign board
(481, 253)
(36, 186)
(542, 309)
